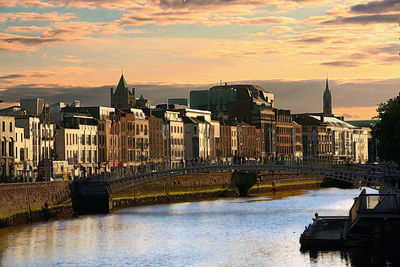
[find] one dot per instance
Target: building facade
(7, 135)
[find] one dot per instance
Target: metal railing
(123, 179)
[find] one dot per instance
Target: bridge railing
(361, 174)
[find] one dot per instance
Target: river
(254, 231)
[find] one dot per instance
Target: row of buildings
(224, 123)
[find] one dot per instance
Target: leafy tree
(387, 130)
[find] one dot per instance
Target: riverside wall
(26, 202)
(22, 203)
(194, 187)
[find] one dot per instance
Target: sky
(63, 50)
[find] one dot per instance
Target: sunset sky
(66, 49)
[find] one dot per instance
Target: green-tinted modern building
(179, 101)
(242, 102)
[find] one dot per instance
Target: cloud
(30, 16)
(12, 76)
(280, 29)
(377, 7)
(26, 3)
(62, 31)
(319, 39)
(340, 64)
(266, 20)
(72, 59)
(366, 19)
(32, 41)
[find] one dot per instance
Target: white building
(360, 144)
(77, 144)
(19, 151)
(175, 138)
(349, 143)
(38, 143)
(7, 135)
(32, 133)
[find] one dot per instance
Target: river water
(254, 231)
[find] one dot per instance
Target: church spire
(327, 84)
(327, 100)
(122, 97)
(122, 86)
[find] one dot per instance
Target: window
(11, 127)
(89, 140)
(94, 140)
(82, 139)
(89, 156)
(4, 126)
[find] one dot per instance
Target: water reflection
(257, 231)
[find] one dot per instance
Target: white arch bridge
(92, 195)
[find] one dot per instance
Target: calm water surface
(256, 231)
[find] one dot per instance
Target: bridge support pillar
(244, 181)
(90, 197)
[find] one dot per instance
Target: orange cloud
(30, 16)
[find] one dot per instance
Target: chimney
(322, 118)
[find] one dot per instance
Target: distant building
(32, 106)
(142, 146)
(99, 112)
(178, 101)
(156, 139)
(285, 134)
(200, 99)
(361, 137)
(142, 103)
(317, 137)
(240, 101)
(251, 104)
(122, 97)
(329, 137)
(248, 140)
(224, 144)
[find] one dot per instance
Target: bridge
(93, 195)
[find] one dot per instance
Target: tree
(387, 130)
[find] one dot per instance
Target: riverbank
(136, 197)
(33, 202)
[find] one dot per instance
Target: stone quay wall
(23, 201)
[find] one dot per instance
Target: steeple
(327, 100)
(327, 84)
(122, 97)
(122, 86)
